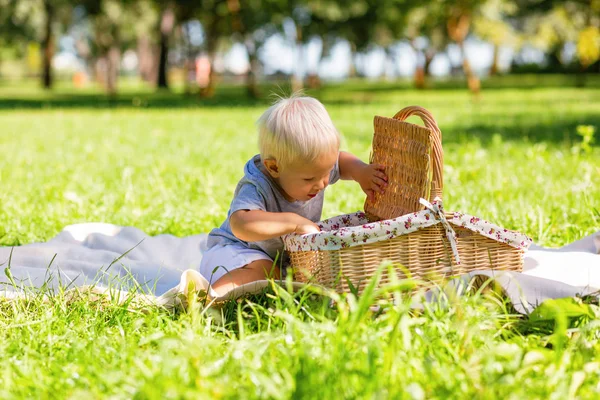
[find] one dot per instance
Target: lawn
(169, 164)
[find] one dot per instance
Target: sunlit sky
(279, 54)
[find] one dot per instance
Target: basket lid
(404, 149)
(413, 157)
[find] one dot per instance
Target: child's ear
(272, 167)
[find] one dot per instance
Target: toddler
(282, 192)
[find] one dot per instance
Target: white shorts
(220, 259)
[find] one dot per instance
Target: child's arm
(257, 225)
(370, 177)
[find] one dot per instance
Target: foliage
(587, 133)
(493, 23)
(429, 26)
(550, 24)
(18, 20)
(588, 46)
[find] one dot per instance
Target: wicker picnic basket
(407, 225)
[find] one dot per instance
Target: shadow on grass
(226, 97)
(525, 81)
(351, 92)
(561, 131)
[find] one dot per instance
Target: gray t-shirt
(258, 191)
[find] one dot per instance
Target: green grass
(168, 164)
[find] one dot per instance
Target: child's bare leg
(255, 271)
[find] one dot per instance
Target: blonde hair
(297, 128)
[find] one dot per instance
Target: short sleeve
(247, 197)
(334, 176)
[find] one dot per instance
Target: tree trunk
(101, 69)
(429, 56)
(47, 45)
(420, 80)
(297, 83)
(162, 81)
(388, 62)
(555, 63)
(211, 38)
(189, 64)
(420, 76)
(313, 80)
(251, 76)
(107, 64)
(112, 69)
(209, 89)
(495, 69)
(146, 59)
(325, 48)
(167, 21)
(581, 77)
(458, 28)
(472, 80)
(352, 73)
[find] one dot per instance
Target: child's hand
(372, 179)
(305, 226)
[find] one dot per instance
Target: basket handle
(437, 182)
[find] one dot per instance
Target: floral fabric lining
(354, 229)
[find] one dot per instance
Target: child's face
(302, 181)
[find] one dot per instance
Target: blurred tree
(459, 15)
(549, 31)
(328, 33)
(253, 22)
(550, 24)
(146, 27)
(430, 28)
(359, 28)
(114, 28)
(299, 12)
(427, 35)
(588, 46)
(191, 38)
(390, 24)
(588, 41)
(331, 21)
(18, 22)
(48, 42)
(360, 23)
(187, 11)
(216, 25)
(55, 12)
(165, 29)
(215, 17)
(492, 24)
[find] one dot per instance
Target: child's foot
(192, 283)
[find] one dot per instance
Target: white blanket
(161, 266)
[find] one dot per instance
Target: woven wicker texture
(406, 150)
(426, 254)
